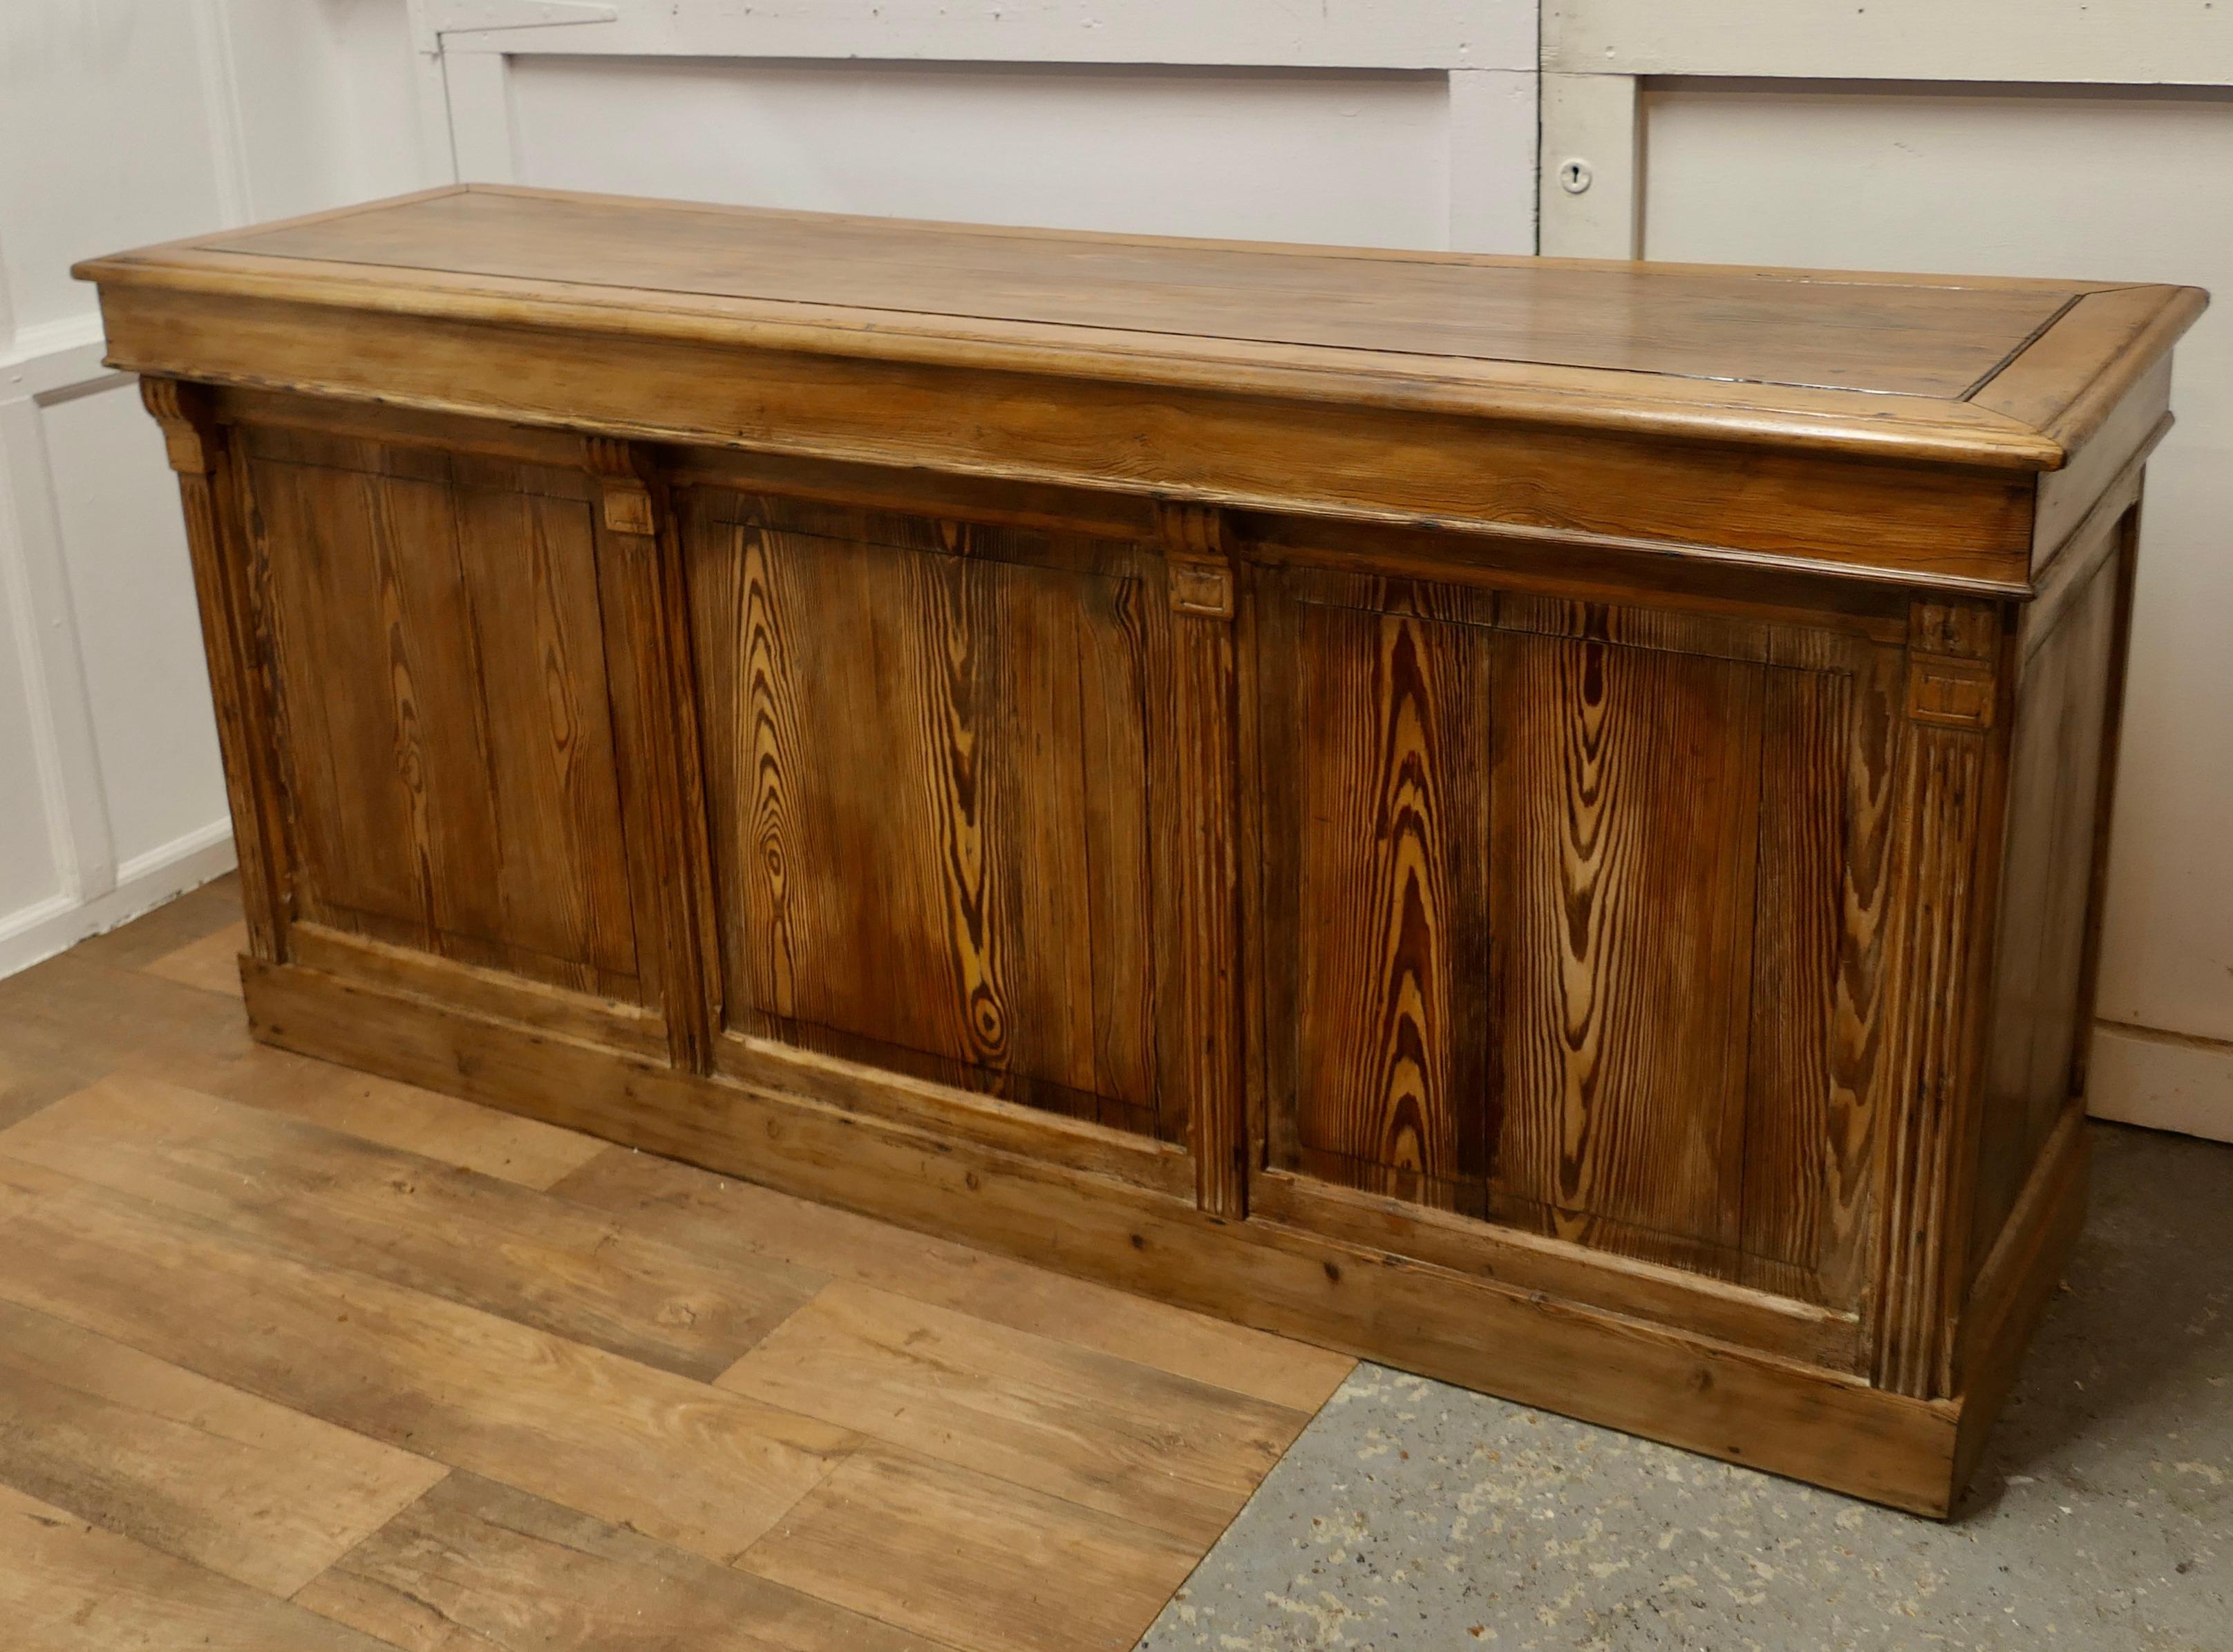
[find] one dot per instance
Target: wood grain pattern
(1888, 337)
(69, 1586)
(1646, 1277)
(332, 1198)
(660, 768)
(231, 621)
(477, 1564)
(1784, 506)
(930, 833)
(978, 1562)
(76, 1019)
(1862, 1073)
(1790, 1132)
(1266, 333)
(1952, 807)
(1101, 1432)
(471, 809)
(1625, 832)
(706, 1471)
(2041, 1003)
(2018, 1278)
(153, 1452)
(736, 1225)
(1515, 811)
(211, 963)
(522, 1151)
(190, 1465)
(539, 1004)
(1202, 585)
(1392, 953)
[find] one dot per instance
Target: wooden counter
(1542, 822)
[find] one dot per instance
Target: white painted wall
(121, 122)
(1270, 155)
(1361, 120)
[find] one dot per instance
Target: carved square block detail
(1956, 693)
(1205, 588)
(629, 511)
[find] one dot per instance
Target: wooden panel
(1392, 943)
(927, 773)
(1568, 927)
(655, 718)
(1953, 776)
(1626, 807)
(2018, 1279)
(1662, 1283)
(1200, 928)
(2055, 776)
(224, 590)
(536, 1004)
(1886, 336)
(1862, 1072)
(1789, 1132)
(1780, 507)
(441, 673)
(1846, 361)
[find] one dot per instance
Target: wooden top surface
(1989, 370)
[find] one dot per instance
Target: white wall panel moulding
(431, 19)
(51, 356)
(1327, 34)
(39, 932)
(2168, 42)
(2162, 1081)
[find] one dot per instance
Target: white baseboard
(2163, 1080)
(144, 882)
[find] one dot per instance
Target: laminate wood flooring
(291, 1357)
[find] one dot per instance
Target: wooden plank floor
(293, 1358)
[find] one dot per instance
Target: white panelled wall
(125, 122)
(1969, 145)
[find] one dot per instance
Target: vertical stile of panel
(647, 639)
(1203, 596)
(210, 489)
(1862, 1070)
(1953, 693)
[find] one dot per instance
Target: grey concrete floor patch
(1411, 1514)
